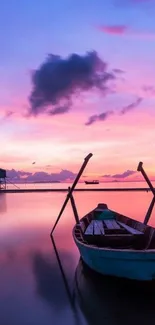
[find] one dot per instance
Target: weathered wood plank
(97, 230)
(90, 229)
(115, 224)
(112, 224)
(100, 226)
(130, 229)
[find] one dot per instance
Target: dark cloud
(17, 174)
(41, 176)
(131, 106)
(59, 110)
(101, 117)
(123, 175)
(58, 79)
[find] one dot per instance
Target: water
(32, 288)
(79, 185)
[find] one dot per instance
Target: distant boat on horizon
(92, 182)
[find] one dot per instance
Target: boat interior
(106, 228)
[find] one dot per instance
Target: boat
(111, 243)
(92, 182)
(116, 245)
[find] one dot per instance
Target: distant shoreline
(140, 189)
(58, 182)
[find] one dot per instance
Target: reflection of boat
(91, 182)
(111, 243)
(110, 300)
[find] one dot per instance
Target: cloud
(125, 174)
(41, 176)
(6, 116)
(118, 71)
(59, 110)
(123, 30)
(58, 79)
(17, 174)
(101, 117)
(113, 29)
(148, 89)
(131, 106)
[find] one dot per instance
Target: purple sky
(117, 126)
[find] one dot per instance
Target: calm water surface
(32, 288)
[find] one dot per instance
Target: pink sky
(118, 141)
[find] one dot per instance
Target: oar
(148, 214)
(72, 188)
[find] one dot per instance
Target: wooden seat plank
(115, 224)
(100, 224)
(90, 229)
(112, 224)
(98, 227)
(131, 230)
(97, 230)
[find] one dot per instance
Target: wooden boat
(92, 182)
(113, 244)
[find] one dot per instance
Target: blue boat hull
(137, 265)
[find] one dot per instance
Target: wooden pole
(140, 169)
(74, 207)
(72, 188)
(148, 214)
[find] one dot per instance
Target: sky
(77, 77)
